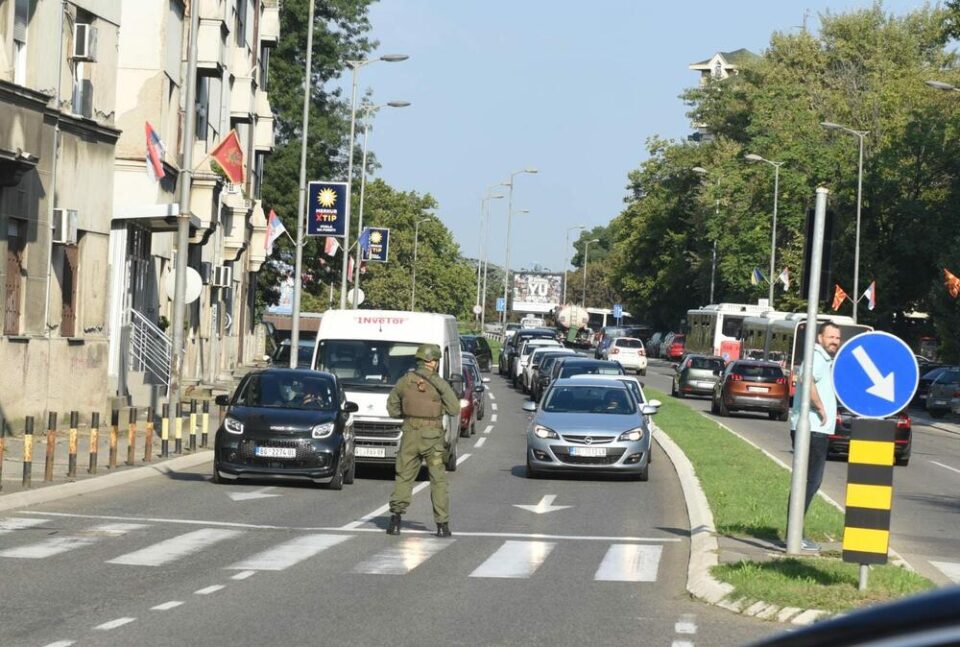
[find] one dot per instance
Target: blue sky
(571, 88)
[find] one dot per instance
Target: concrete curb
(704, 549)
(97, 483)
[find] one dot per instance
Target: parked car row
(666, 345)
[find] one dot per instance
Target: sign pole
(801, 444)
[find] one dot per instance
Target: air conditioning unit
(222, 276)
(84, 42)
(65, 226)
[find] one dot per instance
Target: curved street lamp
(750, 157)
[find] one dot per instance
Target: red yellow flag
(838, 296)
(952, 283)
(229, 156)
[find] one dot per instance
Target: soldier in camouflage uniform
(421, 398)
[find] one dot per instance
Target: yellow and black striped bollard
(148, 437)
(27, 452)
(178, 430)
(94, 441)
(193, 425)
(132, 436)
(165, 430)
(114, 436)
(205, 424)
(72, 445)
(51, 446)
(866, 532)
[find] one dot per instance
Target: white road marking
(488, 429)
(113, 624)
(58, 545)
(19, 523)
(210, 589)
(243, 575)
(493, 417)
(354, 525)
(681, 643)
(166, 606)
(61, 643)
(405, 557)
(493, 405)
(492, 396)
(686, 625)
(629, 563)
(952, 469)
(289, 553)
(480, 442)
(950, 569)
(172, 549)
(544, 506)
(459, 461)
(262, 493)
(515, 559)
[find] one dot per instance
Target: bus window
(732, 326)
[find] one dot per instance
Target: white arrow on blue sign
(501, 304)
(875, 374)
(617, 311)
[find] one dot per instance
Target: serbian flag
(350, 268)
(275, 229)
(155, 153)
(757, 277)
(331, 246)
(838, 296)
(364, 240)
(785, 278)
(952, 283)
(229, 156)
(870, 294)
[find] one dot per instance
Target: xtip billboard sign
(327, 204)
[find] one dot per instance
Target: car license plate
(370, 452)
(276, 452)
(588, 451)
(940, 402)
(757, 389)
(705, 385)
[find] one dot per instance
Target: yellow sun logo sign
(327, 198)
(376, 238)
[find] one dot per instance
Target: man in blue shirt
(823, 412)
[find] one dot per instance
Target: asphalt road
(926, 492)
(179, 561)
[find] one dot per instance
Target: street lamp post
(416, 242)
(482, 258)
(355, 68)
(750, 157)
(859, 134)
(713, 259)
(566, 260)
(368, 112)
(586, 258)
(506, 266)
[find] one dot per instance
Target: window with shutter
(13, 278)
(68, 290)
(21, 16)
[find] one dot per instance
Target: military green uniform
(421, 397)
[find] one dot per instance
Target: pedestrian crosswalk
(373, 553)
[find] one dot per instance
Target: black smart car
(290, 424)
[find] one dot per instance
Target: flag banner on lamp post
(377, 244)
(229, 155)
(326, 208)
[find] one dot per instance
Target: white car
(530, 370)
(633, 384)
(630, 352)
(523, 358)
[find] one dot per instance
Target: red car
(674, 348)
(468, 414)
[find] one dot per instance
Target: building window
(264, 68)
(68, 291)
(203, 106)
(240, 23)
(21, 16)
(13, 278)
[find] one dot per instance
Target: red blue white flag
(871, 295)
(155, 153)
(275, 229)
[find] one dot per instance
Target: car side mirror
(654, 403)
(456, 382)
(485, 380)
(479, 388)
(530, 405)
(648, 409)
(350, 407)
(222, 400)
(266, 358)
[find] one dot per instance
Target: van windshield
(373, 364)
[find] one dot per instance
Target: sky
(572, 89)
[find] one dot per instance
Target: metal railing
(149, 348)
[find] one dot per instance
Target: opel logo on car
(588, 440)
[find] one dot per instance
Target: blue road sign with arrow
(501, 304)
(617, 311)
(875, 374)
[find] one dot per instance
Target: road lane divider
(488, 429)
(207, 590)
(113, 624)
(166, 606)
(480, 442)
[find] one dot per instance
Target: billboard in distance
(536, 291)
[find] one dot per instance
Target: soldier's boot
(393, 528)
(443, 529)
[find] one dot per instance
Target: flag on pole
(757, 277)
(785, 278)
(155, 153)
(331, 246)
(871, 295)
(838, 296)
(275, 229)
(952, 283)
(229, 156)
(364, 240)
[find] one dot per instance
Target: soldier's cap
(429, 353)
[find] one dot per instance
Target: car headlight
(633, 434)
(544, 432)
(322, 431)
(232, 425)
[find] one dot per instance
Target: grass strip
(748, 496)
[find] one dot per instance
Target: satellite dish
(194, 285)
(360, 295)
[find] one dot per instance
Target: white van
(369, 350)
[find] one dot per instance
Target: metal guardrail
(149, 348)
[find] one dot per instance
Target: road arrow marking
(545, 505)
(882, 385)
(262, 493)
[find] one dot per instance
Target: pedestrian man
(823, 412)
(421, 398)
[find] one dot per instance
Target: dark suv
(508, 353)
(480, 348)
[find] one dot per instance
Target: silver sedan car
(589, 426)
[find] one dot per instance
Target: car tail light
(736, 377)
(903, 421)
(956, 394)
(781, 380)
(839, 420)
(641, 352)
(614, 351)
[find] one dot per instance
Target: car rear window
(677, 339)
(568, 370)
(949, 377)
(590, 399)
(706, 363)
(628, 343)
(754, 370)
(289, 390)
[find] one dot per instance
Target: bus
(755, 334)
(716, 329)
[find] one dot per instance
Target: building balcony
(270, 22)
(243, 89)
(236, 209)
(204, 189)
(211, 46)
(263, 130)
(213, 10)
